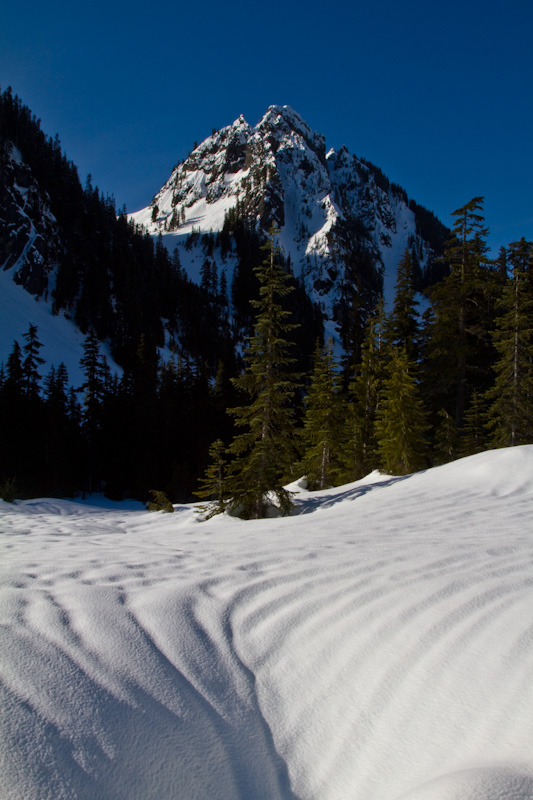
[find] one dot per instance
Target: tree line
(427, 388)
(417, 385)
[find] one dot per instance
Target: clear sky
(438, 94)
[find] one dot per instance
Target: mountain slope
(32, 246)
(88, 269)
(340, 218)
(343, 230)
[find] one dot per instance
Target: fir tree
(214, 484)
(31, 363)
(23, 431)
(401, 422)
(14, 381)
(361, 447)
(474, 431)
(324, 428)
(264, 452)
(460, 349)
(93, 395)
(93, 385)
(402, 328)
(511, 398)
(159, 502)
(62, 436)
(446, 438)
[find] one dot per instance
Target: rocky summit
(340, 218)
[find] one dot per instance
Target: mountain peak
(283, 122)
(240, 122)
(330, 209)
(286, 112)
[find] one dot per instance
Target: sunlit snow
(376, 645)
(61, 338)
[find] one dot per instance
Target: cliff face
(340, 218)
(30, 241)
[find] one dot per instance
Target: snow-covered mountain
(67, 264)
(340, 217)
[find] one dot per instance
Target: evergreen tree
(12, 411)
(264, 452)
(22, 433)
(511, 398)
(446, 438)
(324, 428)
(361, 447)
(401, 422)
(214, 485)
(474, 432)
(14, 382)
(460, 348)
(222, 298)
(93, 385)
(93, 395)
(402, 325)
(31, 363)
(63, 441)
(159, 502)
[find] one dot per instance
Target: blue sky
(439, 95)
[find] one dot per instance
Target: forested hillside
(230, 385)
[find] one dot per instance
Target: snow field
(376, 645)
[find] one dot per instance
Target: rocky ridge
(340, 218)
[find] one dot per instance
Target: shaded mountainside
(65, 244)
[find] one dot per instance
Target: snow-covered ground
(377, 645)
(62, 340)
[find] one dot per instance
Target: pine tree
(511, 398)
(460, 348)
(214, 484)
(93, 395)
(324, 428)
(63, 441)
(264, 452)
(14, 381)
(159, 502)
(360, 452)
(401, 422)
(93, 385)
(446, 438)
(474, 437)
(31, 363)
(402, 328)
(12, 413)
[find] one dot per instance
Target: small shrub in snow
(159, 502)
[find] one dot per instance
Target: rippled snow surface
(377, 645)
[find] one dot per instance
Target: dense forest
(252, 396)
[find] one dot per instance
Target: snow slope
(376, 645)
(62, 340)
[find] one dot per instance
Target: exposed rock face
(339, 216)
(30, 240)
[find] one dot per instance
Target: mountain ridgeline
(343, 225)
(182, 298)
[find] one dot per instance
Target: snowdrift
(377, 645)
